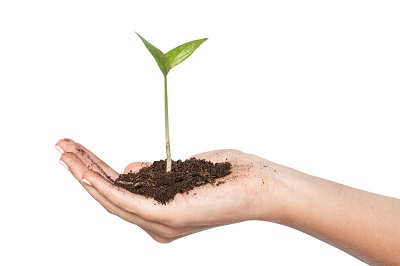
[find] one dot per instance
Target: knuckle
(110, 210)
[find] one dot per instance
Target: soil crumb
(154, 182)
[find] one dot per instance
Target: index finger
(87, 157)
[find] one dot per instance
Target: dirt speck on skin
(154, 182)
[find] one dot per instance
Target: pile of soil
(154, 182)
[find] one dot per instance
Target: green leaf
(161, 59)
(182, 52)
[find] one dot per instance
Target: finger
(135, 167)
(146, 208)
(74, 165)
(122, 198)
(184, 211)
(159, 232)
(159, 238)
(163, 238)
(80, 171)
(155, 228)
(77, 169)
(87, 157)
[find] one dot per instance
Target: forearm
(363, 224)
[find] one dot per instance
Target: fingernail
(86, 182)
(63, 164)
(59, 149)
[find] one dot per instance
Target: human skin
(363, 224)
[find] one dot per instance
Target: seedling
(166, 62)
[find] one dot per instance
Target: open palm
(245, 195)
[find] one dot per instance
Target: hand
(246, 194)
(256, 189)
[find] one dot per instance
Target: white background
(309, 84)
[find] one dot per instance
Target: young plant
(166, 62)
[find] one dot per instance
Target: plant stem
(167, 141)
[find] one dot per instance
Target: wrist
(285, 193)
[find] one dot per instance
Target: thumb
(135, 167)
